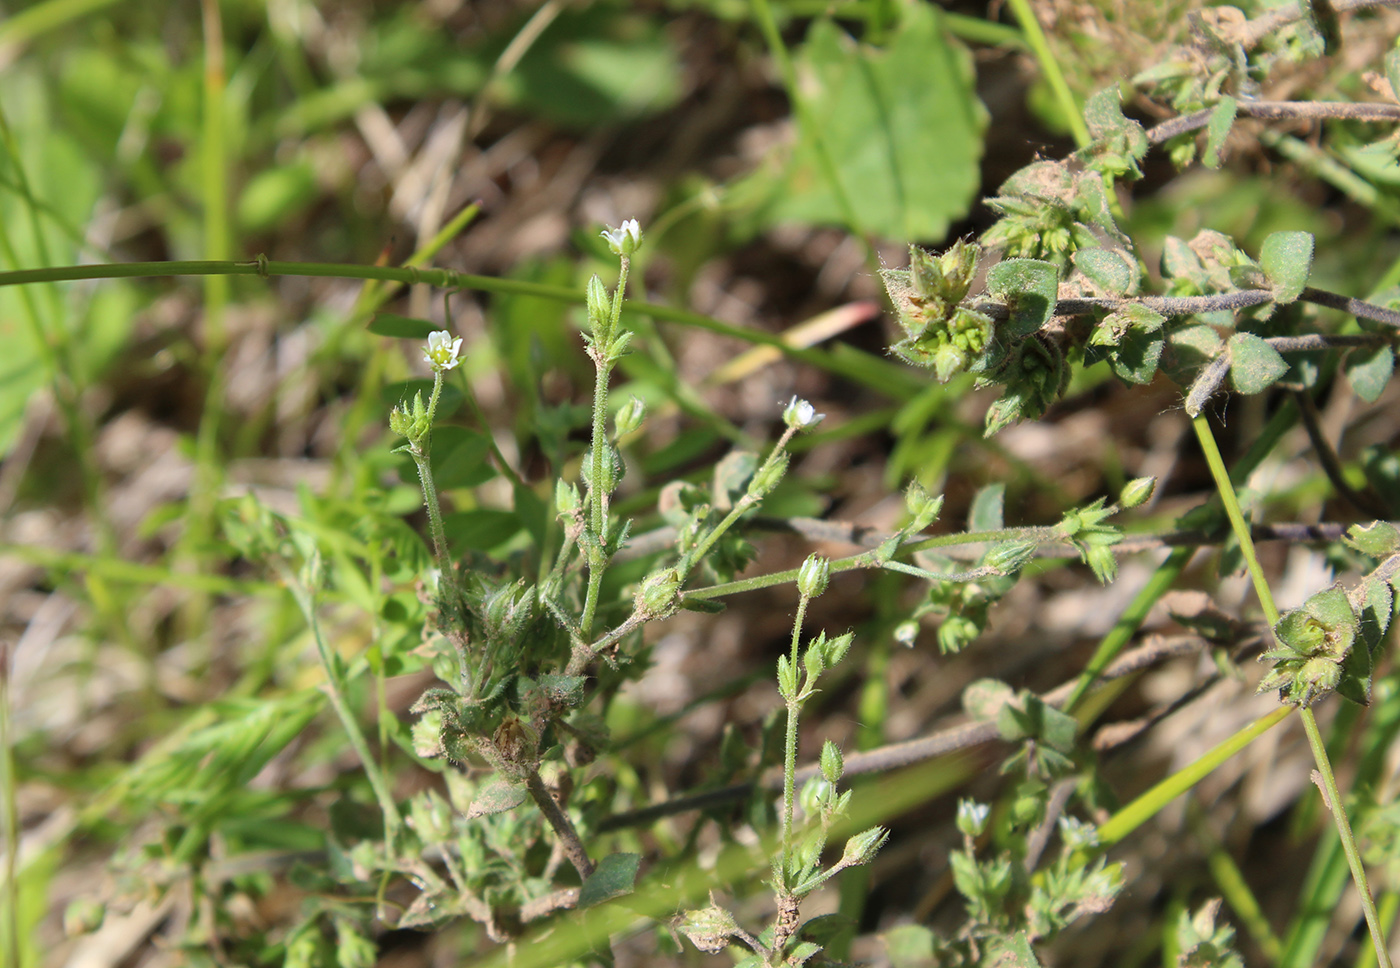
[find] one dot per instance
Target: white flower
(626, 240)
(442, 350)
(801, 415)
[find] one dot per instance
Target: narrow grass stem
(1332, 796)
(1040, 47)
(9, 818)
(1333, 799)
(1135, 814)
(335, 690)
(1201, 425)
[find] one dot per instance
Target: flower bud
(907, 633)
(832, 764)
(442, 350)
(861, 848)
(630, 416)
(837, 648)
(659, 594)
(923, 507)
(972, 817)
(1137, 492)
(566, 498)
(801, 415)
(813, 576)
(768, 476)
(813, 794)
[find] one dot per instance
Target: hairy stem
(563, 827)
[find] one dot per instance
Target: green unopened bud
(1010, 557)
(612, 470)
(923, 507)
(410, 421)
(618, 348)
(813, 576)
(659, 594)
(599, 309)
(1101, 559)
(956, 633)
(768, 476)
(837, 648)
(630, 416)
(972, 817)
(1137, 492)
(814, 793)
(861, 848)
(566, 498)
(832, 763)
(801, 415)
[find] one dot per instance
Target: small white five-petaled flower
(442, 350)
(801, 415)
(624, 240)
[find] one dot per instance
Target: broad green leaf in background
(901, 125)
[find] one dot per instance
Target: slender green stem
(1040, 46)
(600, 481)
(1331, 794)
(794, 708)
(422, 457)
(393, 821)
(703, 546)
(1226, 491)
(9, 818)
(1333, 797)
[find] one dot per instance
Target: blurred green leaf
(902, 127)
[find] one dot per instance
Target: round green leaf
(1286, 258)
(1254, 364)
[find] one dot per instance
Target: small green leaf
(497, 797)
(401, 327)
(1377, 602)
(983, 699)
(909, 946)
(1009, 951)
(1107, 269)
(615, 876)
(1135, 358)
(1286, 258)
(1029, 288)
(1392, 71)
(1222, 119)
(985, 514)
(1190, 349)
(1379, 539)
(1254, 364)
(1368, 370)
